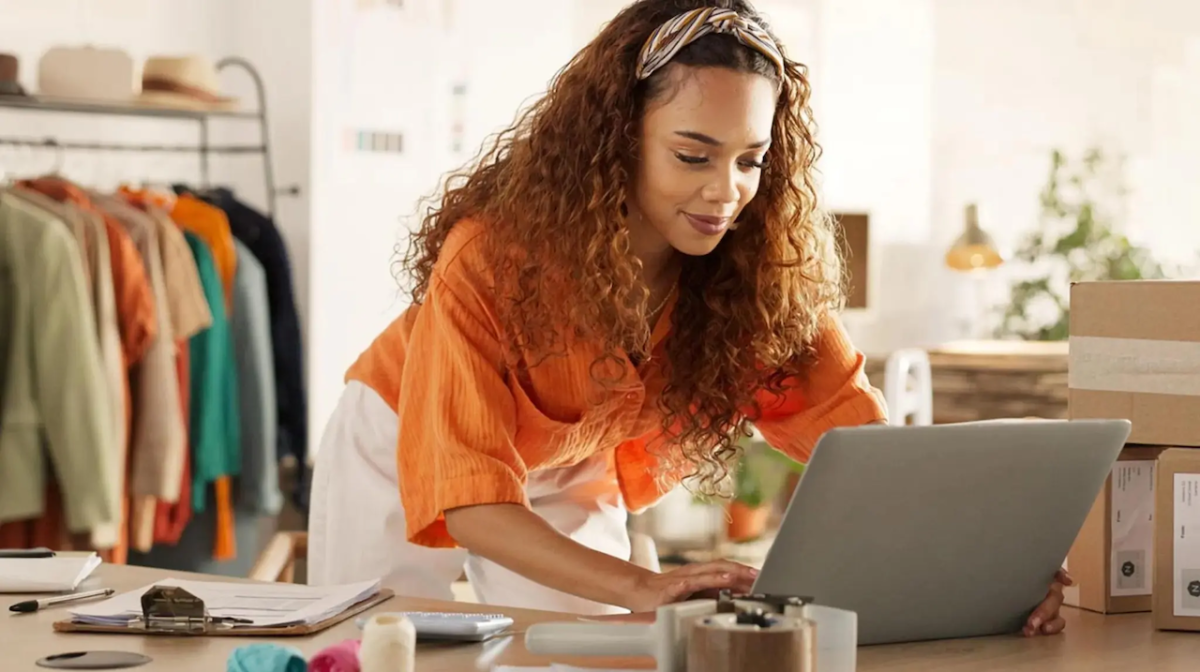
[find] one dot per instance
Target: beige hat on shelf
(96, 75)
(183, 82)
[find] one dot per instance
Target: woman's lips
(707, 224)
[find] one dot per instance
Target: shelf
(51, 143)
(34, 104)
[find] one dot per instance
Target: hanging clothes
(210, 226)
(190, 313)
(258, 488)
(154, 520)
(158, 429)
(53, 376)
(258, 497)
(214, 425)
(170, 519)
(260, 235)
(96, 258)
(136, 322)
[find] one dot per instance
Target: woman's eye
(692, 160)
(755, 164)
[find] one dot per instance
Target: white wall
(926, 105)
(1069, 74)
(394, 69)
(873, 78)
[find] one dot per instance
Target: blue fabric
(266, 658)
(258, 490)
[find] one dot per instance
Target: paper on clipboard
(262, 604)
(59, 574)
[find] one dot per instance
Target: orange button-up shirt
(470, 432)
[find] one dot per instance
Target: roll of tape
(755, 641)
(389, 644)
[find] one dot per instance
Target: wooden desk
(1092, 643)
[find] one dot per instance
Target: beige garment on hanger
(159, 439)
(190, 313)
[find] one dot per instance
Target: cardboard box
(1112, 559)
(1177, 541)
(1134, 353)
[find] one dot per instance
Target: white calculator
(452, 626)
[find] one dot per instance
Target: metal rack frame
(201, 117)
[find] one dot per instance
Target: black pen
(34, 605)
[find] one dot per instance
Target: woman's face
(703, 144)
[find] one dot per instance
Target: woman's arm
(520, 540)
(833, 392)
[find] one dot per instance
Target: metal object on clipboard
(170, 609)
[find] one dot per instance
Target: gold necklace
(654, 313)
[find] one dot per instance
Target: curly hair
(552, 190)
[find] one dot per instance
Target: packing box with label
(1134, 353)
(1177, 541)
(1113, 556)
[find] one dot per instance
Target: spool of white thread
(389, 644)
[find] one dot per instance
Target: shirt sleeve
(834, 392)
(457, 415)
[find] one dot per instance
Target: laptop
(943, 531)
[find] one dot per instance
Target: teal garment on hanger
(214, 427)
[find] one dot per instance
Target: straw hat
(183, 82)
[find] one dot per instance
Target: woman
(633, 272)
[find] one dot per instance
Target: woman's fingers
(1046, 612)
(1055, 626)
(725, 566)
(696, 583)
(1064, 578)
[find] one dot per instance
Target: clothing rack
(201, 117)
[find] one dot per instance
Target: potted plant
(760, 476)
(1075, 241)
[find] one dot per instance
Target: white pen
(34, 605)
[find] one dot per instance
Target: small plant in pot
(761, 476)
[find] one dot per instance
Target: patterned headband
(671, 37)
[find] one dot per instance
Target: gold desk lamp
(974, 250)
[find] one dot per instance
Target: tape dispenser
(726, 633)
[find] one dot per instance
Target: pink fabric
(341, 657)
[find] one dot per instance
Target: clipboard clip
(173, 610)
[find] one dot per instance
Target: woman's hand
(655, 590)
(1045, 620)
(516, 538)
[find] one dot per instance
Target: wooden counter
(986, 380)
(1092, 643)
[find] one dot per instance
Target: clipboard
(174, 612)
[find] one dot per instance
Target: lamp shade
(974, 250)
